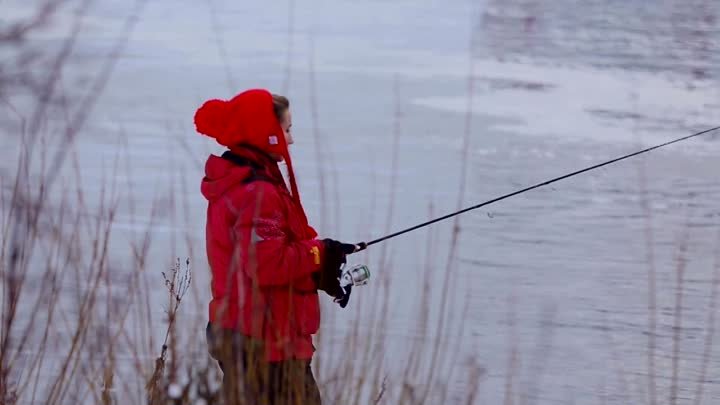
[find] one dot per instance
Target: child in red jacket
(267, 265)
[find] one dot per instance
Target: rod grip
(360, 247)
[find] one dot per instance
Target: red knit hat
(248, 118)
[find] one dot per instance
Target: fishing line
(364, 245)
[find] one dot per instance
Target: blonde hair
(281, 104)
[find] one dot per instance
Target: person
(267, 262)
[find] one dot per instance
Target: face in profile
(286, 124)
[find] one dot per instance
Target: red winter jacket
(262, 253)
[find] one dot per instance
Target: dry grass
(75, 332)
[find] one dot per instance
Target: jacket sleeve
(265, 251)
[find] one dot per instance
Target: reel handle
(357, 275)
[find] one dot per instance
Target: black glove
(345, 298)
(328, 278)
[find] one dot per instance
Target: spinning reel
(353, 276)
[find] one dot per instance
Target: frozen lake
(557, 276)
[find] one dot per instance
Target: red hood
(221, 175)
(248, 118)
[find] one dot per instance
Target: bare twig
(681, 264)
(177, 283)
(317, 138)
(465, 153)
(383, 387)
(290, 46)
(513, 355)
(222, 49)
(652, 283)
(710, 332)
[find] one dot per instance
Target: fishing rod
(358, 275)
(364, 245)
